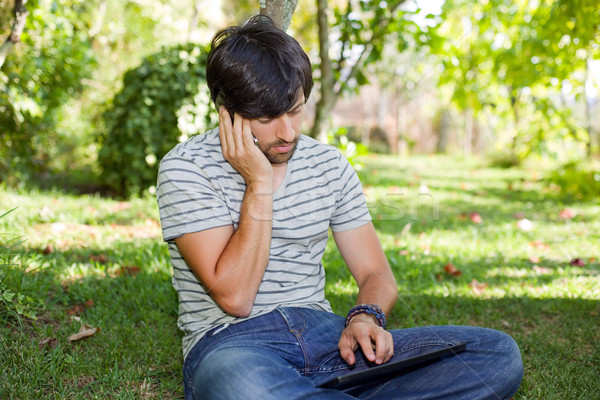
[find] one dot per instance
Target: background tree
(20, 16)
(359, 31)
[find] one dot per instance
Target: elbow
(236, 306)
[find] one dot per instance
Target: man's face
(278, 137)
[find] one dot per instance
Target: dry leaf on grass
(567, 213)
(84, 331)
(452, 270)
(48, 342)
(577, 262)
(478, 287)
(475, 218)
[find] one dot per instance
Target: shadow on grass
(558, 337)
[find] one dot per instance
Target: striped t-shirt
(198, 190)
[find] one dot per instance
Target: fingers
(376, 344)
(234, 136)
(347, 346)
(225, 130)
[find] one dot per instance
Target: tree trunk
(443, 132)
(20, 13)
(326, 101)
(468, 134)
(280, 11)
(588, 110)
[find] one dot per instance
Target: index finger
(225, 126)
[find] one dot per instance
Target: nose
(285, 129)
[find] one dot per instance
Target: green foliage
(525, 62)
(163, 101)
(351, 150)
(40, 75)
(362, 29)
(576, 181)
(13, 300)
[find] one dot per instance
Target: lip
(283, 149)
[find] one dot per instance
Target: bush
(14, 302)
(163, 101)
(575, 180)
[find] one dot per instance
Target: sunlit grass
(66, 251)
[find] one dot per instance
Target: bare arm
(362, 252)
(230, 263)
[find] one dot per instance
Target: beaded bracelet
(371, 309)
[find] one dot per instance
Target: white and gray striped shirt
(198, 190)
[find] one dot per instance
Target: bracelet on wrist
(371, 309)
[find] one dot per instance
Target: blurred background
(93, 93)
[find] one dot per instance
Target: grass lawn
(468, 244)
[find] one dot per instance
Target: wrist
(367, 312)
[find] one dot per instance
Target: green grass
(59, 251)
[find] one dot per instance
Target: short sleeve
(188, 200)
(351, 209)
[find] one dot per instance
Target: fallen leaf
(439, 277)
(478, 287)
(48, 249)
(577, 262)
(84, 331)
(567, 213)
(78, 309)
(539, 245)
(541, 270)
(462, 216)
(524, 224)
(48, 342)
(128, 270)
(120, 206)
(452, 270)
(100, 258)
(475, 218)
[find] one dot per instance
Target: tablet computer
(385, 371)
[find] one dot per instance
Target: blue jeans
(286, 353)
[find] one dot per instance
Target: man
(245, 210)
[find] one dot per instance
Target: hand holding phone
(240, 149)
(220, 102)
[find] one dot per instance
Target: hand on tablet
(364, 332)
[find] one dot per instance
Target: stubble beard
(280, 158)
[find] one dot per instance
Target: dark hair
(256, 69)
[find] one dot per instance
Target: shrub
(162, 101)
(575, 180)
